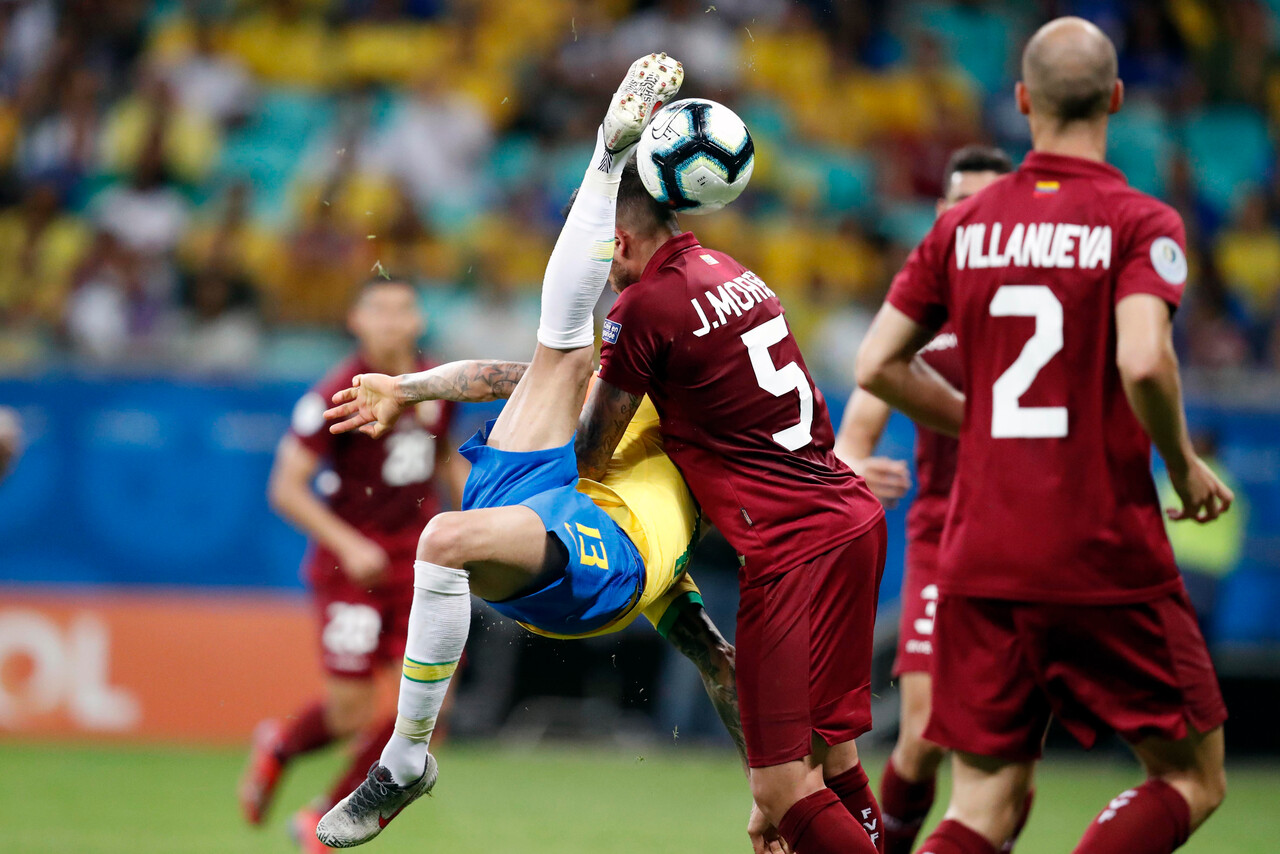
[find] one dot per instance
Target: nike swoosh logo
(384, 821)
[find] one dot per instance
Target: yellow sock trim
(422, 671)
(415, 730)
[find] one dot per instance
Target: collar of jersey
(669, 250)
(1063, 164)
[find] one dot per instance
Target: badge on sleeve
(1169, 261)
(308, 414)
(611, 330)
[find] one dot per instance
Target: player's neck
(1084, 140)
(389, 362)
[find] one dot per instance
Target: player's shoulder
(339, 376)
(1131, 205)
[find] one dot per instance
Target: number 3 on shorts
(779, 381)
(1009, 418)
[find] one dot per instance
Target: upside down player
(1059, 594)
(708, 342)
(529, 539)
(907, 785)
(363, 538)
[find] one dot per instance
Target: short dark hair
(976, 158)
(384, 278)
(637, 210)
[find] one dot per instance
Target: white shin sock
(579, 265)
(438, 624)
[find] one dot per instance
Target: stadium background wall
(147, 592)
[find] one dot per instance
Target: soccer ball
(696, 156)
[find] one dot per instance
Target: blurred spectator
(322, 259)
(687, 30)
(1215, 336)
(40, 247)
(27, 31)
(113, 314)
(218, 330)
(437, 143)
(147, 218)
(211, 83)
(1248, 255)
(225, 239)
(62, 146)
(153, 123)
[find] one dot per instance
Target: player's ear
(1023, 97)
(1117, 97)
(622, 243)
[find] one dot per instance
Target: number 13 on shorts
(589, 553)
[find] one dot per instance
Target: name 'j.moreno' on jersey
(1053, 499)
(707, 340)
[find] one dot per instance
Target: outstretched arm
(700, 641)
(374, 402)
(865, 418)
(889, 368)
(604, 419)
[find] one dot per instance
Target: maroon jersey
(385, 488)
(1053, 499)
(935, 453)
(707, 340)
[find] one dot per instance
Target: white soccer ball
(695, 156)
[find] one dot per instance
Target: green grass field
(99, 800)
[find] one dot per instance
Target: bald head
(1069, 70)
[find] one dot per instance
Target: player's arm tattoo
(698, 639)
(474, 381)
(604, 419)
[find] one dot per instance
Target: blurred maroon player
(378, 496)
(907, 785)
(1059, 596)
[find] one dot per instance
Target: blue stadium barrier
(162, 482)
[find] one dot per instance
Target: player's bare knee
(443, 540)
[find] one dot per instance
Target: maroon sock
(367, 750)
(1151, 819)
(819, 824)
(304, 732)
(854, 791)
(905, 806)
(952, 837)
(1022, 822)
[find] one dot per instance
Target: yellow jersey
(644, 493)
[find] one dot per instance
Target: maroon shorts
(919, 605)
(360, 628)
(804, 647)
(1002, 669)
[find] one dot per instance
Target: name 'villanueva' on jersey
(1041, 245)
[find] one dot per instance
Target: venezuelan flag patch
(1046, 188)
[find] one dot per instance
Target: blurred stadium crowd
(199, 185)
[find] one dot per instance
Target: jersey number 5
(1009, 418)
(779, 381)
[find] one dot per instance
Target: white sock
(438, 624)
(579, 265)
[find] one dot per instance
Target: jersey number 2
(1009, 418)
(779, 381)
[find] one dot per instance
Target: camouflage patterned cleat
(651, 81)
(362, 815)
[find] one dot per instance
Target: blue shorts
(605, 573)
